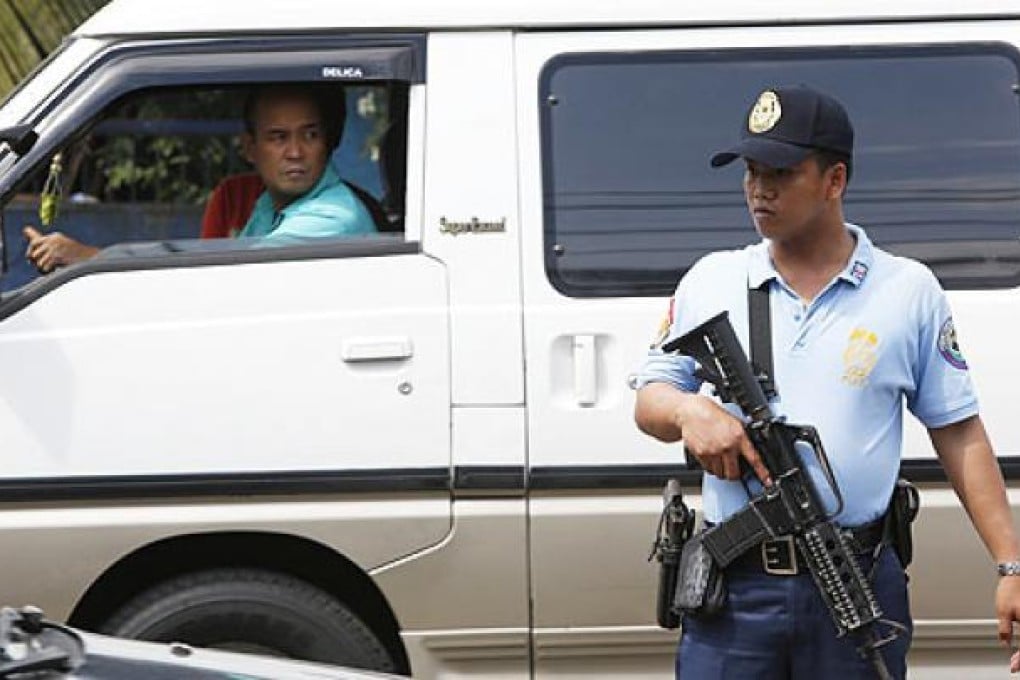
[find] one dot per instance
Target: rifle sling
(759, 315)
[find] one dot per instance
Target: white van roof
(134, 17)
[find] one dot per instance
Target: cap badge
(765, 114)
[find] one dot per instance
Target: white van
(415, 452)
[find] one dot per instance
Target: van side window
(631, 202)
(144, 169)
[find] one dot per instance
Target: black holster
(676, 523)
(903, 508)
(669, 565)
(690, 580)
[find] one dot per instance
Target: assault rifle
(790, 505)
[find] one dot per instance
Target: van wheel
(251, 610)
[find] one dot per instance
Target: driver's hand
(49, 251)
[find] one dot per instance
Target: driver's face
(288, 146)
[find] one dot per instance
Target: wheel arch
(294, 555)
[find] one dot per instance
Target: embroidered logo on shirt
(859, 357)
(859, 271)
(949, 348)
(664, 326)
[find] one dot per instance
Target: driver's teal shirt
(878, 336)
(329, 209)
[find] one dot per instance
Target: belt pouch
(700, 588)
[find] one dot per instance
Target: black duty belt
(780, 556)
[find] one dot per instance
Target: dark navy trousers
(777, 628)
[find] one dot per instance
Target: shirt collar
(760, 268)
(861, 259)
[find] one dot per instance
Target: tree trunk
(31, 29)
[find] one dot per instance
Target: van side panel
(471, 219)
(463, 606)
(272, 366)
(305, 399)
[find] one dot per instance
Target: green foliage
(165, 168)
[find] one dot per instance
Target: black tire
(251, 610)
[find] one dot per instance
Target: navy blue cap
(785, 124)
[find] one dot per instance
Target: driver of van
(290, 132)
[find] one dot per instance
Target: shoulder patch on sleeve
(667, 323)
(949, 348)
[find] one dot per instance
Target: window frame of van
(48, 76)
(603, 284)
(131, 66)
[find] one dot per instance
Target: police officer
(855, 332)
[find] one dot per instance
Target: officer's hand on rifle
(717, 439)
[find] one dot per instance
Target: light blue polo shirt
(878, 336)
(330, 209)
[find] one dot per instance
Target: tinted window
(630, 201)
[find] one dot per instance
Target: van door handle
(585, 370)
(377, 349)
